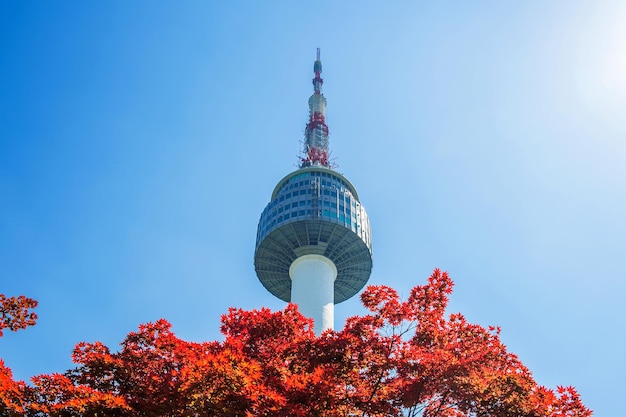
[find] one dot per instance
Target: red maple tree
(404, 358)
(15, 314)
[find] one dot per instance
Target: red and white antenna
(316, 132)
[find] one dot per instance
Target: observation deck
(314, 211)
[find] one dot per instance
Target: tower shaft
(313, 289)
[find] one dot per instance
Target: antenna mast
(316, 132)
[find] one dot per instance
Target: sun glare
(601, 66)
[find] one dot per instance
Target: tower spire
(316, 132)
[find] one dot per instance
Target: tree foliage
(15, 313)
(403, 358)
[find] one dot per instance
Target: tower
(314, 241)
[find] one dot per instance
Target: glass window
(294, 204)
(288, 195)
(302, 192)
(301, 212)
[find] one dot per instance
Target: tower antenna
(315, 149)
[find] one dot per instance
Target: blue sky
(140, 141)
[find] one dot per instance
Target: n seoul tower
(314, 241)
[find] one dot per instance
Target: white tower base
(313, 289)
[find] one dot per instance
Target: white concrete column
(313, 289)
